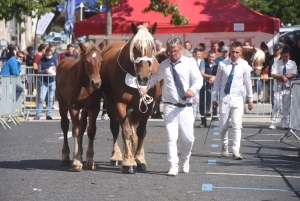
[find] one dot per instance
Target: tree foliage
(21, 8)
(288, 11)
(161, 6)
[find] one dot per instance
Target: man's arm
(248, 86)
(217, 82)
(197, 79)
(15, 68)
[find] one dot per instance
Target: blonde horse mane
(259, 55)
(141, 40)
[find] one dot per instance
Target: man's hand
(250, 105)
(143, 90)
(189, 93)
(284, 78)
(211, 80)
(215, 104)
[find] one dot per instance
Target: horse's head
(90, 55)
(142, 51)
(255, 58)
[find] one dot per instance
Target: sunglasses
(20, 57)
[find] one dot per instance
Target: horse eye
(149, 63)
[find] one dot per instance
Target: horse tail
(134, 137)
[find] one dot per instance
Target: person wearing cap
(224, 55)
(159, 47)
(282, 71)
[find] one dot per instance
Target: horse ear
(134, 28)
(101, 45)
(152, 30)
(82, 46)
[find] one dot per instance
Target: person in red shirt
(36, 60)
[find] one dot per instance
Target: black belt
(180, 105)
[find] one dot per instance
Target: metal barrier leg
(4, 123)
(9, 117)
(287, 134)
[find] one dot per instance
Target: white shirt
(189, 74)
(277, 68)
(241, 78)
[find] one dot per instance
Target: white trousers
(196, 103)
(181, 119)
(282, 99)
(235, 111)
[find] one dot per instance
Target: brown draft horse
(255, 58)
(78, 84)
(121, 59)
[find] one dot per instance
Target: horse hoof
(141, 167)
(91, 167)
(77, 166)
(129, 169)
(65, 163)
(115, 163)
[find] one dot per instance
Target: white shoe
(225, 151)
(186, 166)
(173, 171)
(105, 117)
(272, 127)
(237, 156)
(55, 108)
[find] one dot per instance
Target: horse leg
(91, 132)
(139, 122)
(77, 154)
(64, 123)
(129, 164)
(116, 158)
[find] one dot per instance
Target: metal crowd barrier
(33, 90)
(9, 105)
(261, 109)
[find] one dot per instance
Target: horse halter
(145, 98)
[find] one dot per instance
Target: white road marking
(252, 175)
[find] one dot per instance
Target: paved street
(30, 166)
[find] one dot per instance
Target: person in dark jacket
(47, 65)
(295, 54)
(11, 51)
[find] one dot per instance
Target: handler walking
(232, 76)
(181, 80)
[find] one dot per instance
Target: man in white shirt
(282, 71)
(181, 80)
(159, 47)
(231, 77)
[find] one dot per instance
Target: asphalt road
(30, 167)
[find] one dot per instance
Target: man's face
(198, 55)
(246, 44)
(70, 50)
(285, 57)
(225, 54)
(277, 52)
(20, 56)
(53, 48)
(49, 53)
(214, 47)
(158, 47)
(235, 53)
(188, 46)
(174, 52)
(211, 58)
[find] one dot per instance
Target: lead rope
(145, 98)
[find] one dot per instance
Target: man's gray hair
(158, 42)
(174, 41)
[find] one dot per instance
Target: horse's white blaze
(94, 54)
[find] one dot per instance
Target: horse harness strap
(144, 98)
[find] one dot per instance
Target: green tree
(288, 11)
(21, 8)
